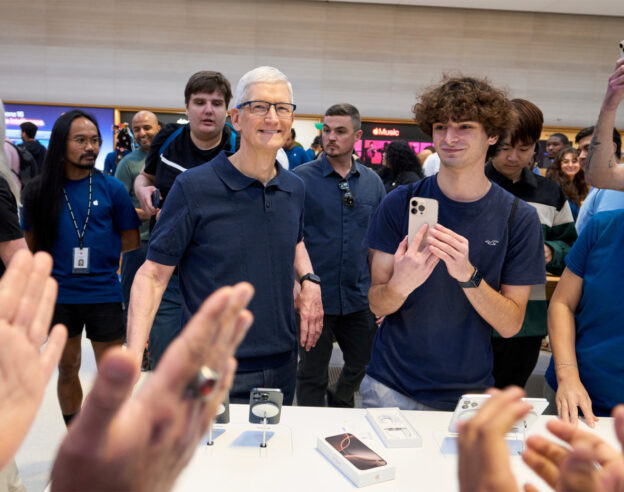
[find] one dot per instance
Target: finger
(530, 488)
(573, 412)
(502, 410)
(31, 298)
(303, 331)
(547, 449)
(441, 255)
(578, 471)
(42, 319)
(618, 415)
(402, 247)
(542, 466)
(13, 283)
(586, 408)
(445, 247)
(562, 410)
(418, 238)
(451, 236)
(578, 438)
(112, 387)
(53, 350)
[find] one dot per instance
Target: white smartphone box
(356, 460)
(469, 405)
(393, 428)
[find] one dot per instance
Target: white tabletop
(291, 461)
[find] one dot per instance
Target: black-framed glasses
(82, 141)
(347, 197)
(261, 108)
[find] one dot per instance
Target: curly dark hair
(462, 98)
(575, 189)
(400, 157)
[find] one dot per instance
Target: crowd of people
(198, 207)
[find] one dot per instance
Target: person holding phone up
(474, 275)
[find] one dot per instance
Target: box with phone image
(356, 460)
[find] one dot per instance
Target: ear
(492, 140)
(358, 135)
(234, 116)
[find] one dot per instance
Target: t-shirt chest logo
(492, 242)
(95, 203)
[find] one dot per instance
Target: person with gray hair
(240, 218)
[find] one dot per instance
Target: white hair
(269, 75)
(5, 168)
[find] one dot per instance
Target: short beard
(84, 166)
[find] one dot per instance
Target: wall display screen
(163, 118)
(376, 136)
(44, 117)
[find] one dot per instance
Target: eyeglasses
(82, 141)
(347, 197)
(261, 108)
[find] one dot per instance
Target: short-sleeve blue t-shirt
(436, 347)
(597, 258)
(111, 212)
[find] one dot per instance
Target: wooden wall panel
(378, 57)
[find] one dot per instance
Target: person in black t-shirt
(175, 149)
(38, 151)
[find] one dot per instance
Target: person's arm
(395, 277)
(308, 303)
(130, 239)
(602, 165)
(141, 442)
(143, 188)
(27, 297)
(124, 175)
(571, 393)
(9, 248)
(504, 310)
(149, 284)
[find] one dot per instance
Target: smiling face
(145, 127)
(461, 144)
(339, 136)
(513, 158)
(268, 132)
(206, 114)
(570, 164)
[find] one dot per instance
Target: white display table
(291, 461)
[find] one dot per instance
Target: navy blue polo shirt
(221, 227)
(334, 232)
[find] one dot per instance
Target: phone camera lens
(421, 207)
(265, 397)
(413, 210)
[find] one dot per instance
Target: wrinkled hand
(483, 454)
(309, 305)
(27, 299)
(615, 87)
(571, 394)
(452, 249)
(575, 470)
(411, 266)
(548, 253)
(144, 194)
(142, 442)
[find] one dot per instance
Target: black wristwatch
(474, 281)
(311, 277)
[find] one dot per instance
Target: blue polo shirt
(111, 212)
(296, 157)
(597, 258)
(436, 347)
(333, 232)
(221, 227)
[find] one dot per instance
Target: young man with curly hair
(474, 271)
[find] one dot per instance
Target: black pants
(354, 333)
(514, 359)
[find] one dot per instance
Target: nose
(271, 114)
(451, 135)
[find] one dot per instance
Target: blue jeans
(378, 395)
(283, 377)
(167, 322)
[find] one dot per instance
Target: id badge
(81, 260)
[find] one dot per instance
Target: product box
(356, 460)
(393, 428)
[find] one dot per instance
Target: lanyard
(71, 212)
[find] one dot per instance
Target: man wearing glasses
(239, 218)
(340, 198)
(85, 220)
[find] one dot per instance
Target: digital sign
(45, 116)
(376, 136)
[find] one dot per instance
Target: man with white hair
(239, 217)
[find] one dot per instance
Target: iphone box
(356, 460)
